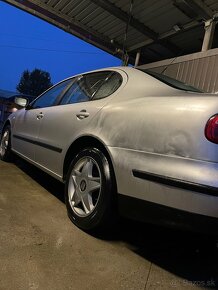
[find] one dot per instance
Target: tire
(5, 145)
(90, 190)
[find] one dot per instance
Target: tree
(34, 83)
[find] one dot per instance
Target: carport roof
(159, 29)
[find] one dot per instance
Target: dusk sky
(27, 42)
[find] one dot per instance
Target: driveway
(41, 249)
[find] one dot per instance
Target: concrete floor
(41, 249)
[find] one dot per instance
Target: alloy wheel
(84, 186)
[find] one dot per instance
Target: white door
(27, 121)
(25, 132)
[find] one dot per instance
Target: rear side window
(84, 88)
(77, 93)
(109, 86)
(91, 86)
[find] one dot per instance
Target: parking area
(41, 249)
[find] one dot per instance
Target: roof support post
(137, 58)
(209, 33)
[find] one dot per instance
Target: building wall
(197, 69)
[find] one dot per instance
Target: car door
(61, 124)
(27, 121)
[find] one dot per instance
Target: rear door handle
(82, 115)
(40, 116)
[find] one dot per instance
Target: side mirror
(22, 102)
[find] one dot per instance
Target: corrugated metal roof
(151, 23)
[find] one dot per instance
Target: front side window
(50, 97)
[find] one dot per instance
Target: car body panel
(145, 126)
(60, 137)
(190, 171)
(27, 127)
(58, 128)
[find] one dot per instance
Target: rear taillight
(211, 129)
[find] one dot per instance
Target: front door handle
(82, 115)
(40, 116)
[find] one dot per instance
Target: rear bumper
(180, 183)
(154, 213)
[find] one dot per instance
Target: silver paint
(145, 125)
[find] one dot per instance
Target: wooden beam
(120, 14)
(194, 9)
(139, 26)
(167, 35)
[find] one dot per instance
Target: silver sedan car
(125, 141)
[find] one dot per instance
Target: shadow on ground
(192, 257)
(49, 183)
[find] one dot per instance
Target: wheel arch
(5, 150)
(82, 143)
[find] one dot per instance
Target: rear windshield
(171, 82)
